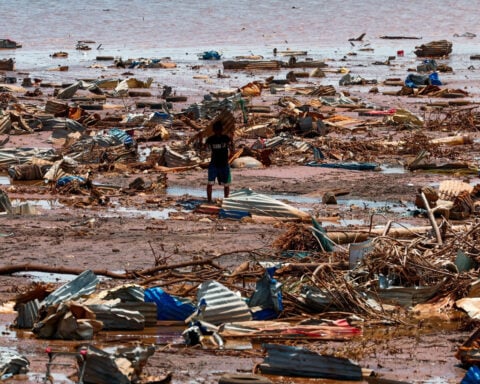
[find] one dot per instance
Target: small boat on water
(9, 44)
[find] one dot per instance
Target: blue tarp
(415, 81)
(169, 307)
(122, 136)
(211, 55)
(472, 376)
(268, 296)
(64, 180)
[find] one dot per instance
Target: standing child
(220, 146)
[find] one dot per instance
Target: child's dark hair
(217, 126)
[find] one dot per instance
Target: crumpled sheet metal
(83, 284)
(13, 156)
(12, 363)
(5, 203)
(218, 304)
(67, 321)
(123, 366)
(261, 205)
(292, 361)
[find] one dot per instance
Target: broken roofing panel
(218, 304)
(261, 205)
(292, 361)
(83, 284)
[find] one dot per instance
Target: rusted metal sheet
(450, 189)
(292, 361)
(219, 305)
(56, 108)
(469, 352)
(261, 205)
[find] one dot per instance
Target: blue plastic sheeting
(65, 180)
(415, 81)
(169, 307)
(211, 55)
(122, 136)
(350, 166)
(472, 376)
(268, 296)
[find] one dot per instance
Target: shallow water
(182, 29)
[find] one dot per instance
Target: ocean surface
(177, 28)
(182, 29)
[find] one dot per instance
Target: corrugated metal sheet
(449, 189)
(148, 310)
(83, 284)
(118, 318)
(292, 361)
(274, 142)
(11, 156)
(220, 305)
(27, 314)
(102, 367)
(126, 293)
(357, 251)
(174, 159)
(261, 205)
(317, 300)
(406, 296)
(5, 124)
(55, 107)
(5, 203)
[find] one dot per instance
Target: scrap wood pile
(388, 267)
(454, 119)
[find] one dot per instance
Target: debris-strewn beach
(347, 249)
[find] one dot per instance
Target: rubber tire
(232, 378)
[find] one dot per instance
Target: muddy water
(181, 30)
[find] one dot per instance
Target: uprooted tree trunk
(9, 269)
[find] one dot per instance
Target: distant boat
(9, 44)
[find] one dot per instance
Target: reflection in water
(41, 203)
